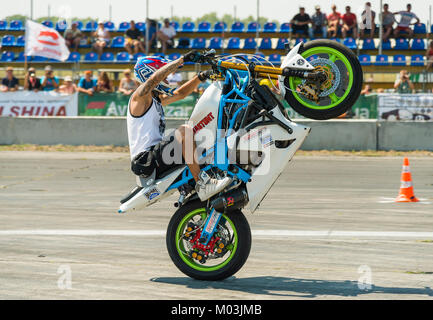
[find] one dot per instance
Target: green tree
(19, 17)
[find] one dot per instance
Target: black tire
(351, 98)
(236, 262)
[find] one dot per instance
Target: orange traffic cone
(406, 187)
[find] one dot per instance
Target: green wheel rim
(188, 260)
(334, 55)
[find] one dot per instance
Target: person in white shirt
(406, 18)
(166, 35)
(102, 38)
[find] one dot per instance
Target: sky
(124, 10)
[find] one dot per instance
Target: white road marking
(256, 233)
(392, 200)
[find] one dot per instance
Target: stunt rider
(146, 123)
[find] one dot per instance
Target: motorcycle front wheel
(232, 240)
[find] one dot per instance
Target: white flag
(44, 42)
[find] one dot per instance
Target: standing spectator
(318, 23)
(387, 22)
(368, 26)
(68, 86)
(133, 39)
(334, 22)
(127, 84)
(104, 83)
(300, 23)
(166, 35)
(31, 82)
(49, 82)
(73, 37)
(429, 55)
(405, 21)
(403, 83)
(350, 25)
(87, 84)
(102, 40)
(9, 83)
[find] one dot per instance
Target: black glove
(192, 56)
(204, 75)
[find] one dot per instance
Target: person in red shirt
(333, 22)
(350, 24)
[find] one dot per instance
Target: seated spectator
(350, 25)
(73, 37)
(9, 83)
(102, 40)
(318, 23)
(368, 26)
(333, 22)
(127, 85)
(133, 39)
(367, 90)
(166, 35)
(104, 83)
(87, 84)
(174, 79)
(68, 86)
(49, 82)
(429, 55)
(31, 82)
(405, 22)
(403, 83)
(151, 34)
(387, 22)
(300, 23)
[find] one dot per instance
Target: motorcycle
(249, 137)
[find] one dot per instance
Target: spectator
(127, 85)
(334, 22)
(73, 37)
(174, 79)
(151, 34)
(31, 82)
(368, 26)
(133, 39)
(166, 35)
(49, 82)
(102, 36)
(403, 83)
(300, 23)
(68, 86)
(429, 55)
(87, 84)
(405, 21)
(104, 83)
(367, 90)
(388, 20)
(9, 83)
(318, 23)
(350, 25)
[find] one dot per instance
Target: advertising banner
(28, 103)
(417, 107)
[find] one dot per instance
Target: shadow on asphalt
(281, 286)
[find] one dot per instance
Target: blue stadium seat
(299, 40)
(175, 25)
(122, 57)
(313, 57)
(368, 44)
(399, 60)
(386, 45)
(74, 57)
(7, 56)
(418, 44)
(109, 25)
(84, 43)
(159, 54)
(204, 27)
(220, 27)
(431, 29)
(335, 39)
(90, 26)
(381, 60)
(266, 43)
(107, 57)
(39, 59)
(3, 24)
(8, 41)
(234, 43)
(350, 43)
(91, 57)
(250, 43)
(237, 27)
(48, 23)
(285, 27)
(118, 42)
(253, 27)
(281, 42)
(401, 44)
(174, 56)
(140, 26)
(21, 57)
(79, 24)
(417, 60)
(275, 58)
(188, 27)
(184, 43)
(270, 27)
(216, 43)
(365, 59)
(198, 43)
(21, 41)
(123, 26)
(419, 28)
(137, 56)
(16, 25)
(61, 26)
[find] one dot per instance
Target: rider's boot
(206, 187)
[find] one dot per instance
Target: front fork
(210, 226)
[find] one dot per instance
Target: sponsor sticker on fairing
(152, 193)
(266, 140)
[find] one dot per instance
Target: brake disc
(333, 75)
